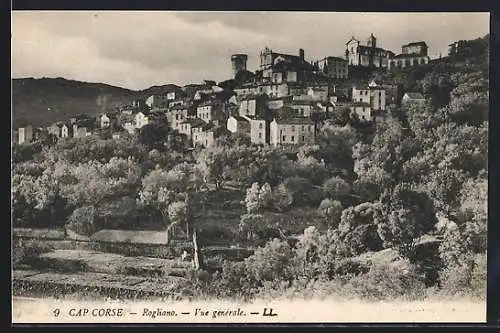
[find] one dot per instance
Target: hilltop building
(238, 63)
(334, 67)
(368, 55)
(412, 54)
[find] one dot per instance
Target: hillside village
(363, 176)
(283, 102)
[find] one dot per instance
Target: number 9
(56, 312)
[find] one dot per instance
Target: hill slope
(46, 100)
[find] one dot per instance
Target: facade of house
(273, 89)
(176, 94)
(141, 120)
(368, 55)
(412, 98)
(361, 110)
(237, 124)
(361, 94)
(187, 127)
(65, 131)
(290, 68)
(246, 89)
(377, 96)
(277, 102)
(203, 135)
(104, 121)
(412, 54)
(259, 131)
(176, 115)
(303, 108)
(25, 134)
(319, 94)
(55, 129)
(80, 131)
(252, 105)
(334, 67)
(211, 111)
(292, 131)
(157, 101)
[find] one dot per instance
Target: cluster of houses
(281, 103)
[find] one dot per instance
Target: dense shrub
(24, 250)
(83, 221)
(389, 280)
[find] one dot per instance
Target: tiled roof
(295, 121)
(302, 102)
(408, 55)
(238, 118)
(422, 43)
(253, 117)
(414, 95)
(194, 122)
(335, 58)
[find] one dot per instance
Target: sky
(137, 50)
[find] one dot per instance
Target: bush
(24, 250)
(83, 221)
(389, 280)
(479, 276)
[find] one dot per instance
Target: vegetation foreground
(397, 210)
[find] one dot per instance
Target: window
(361, 100)
(260, 126)
(303, 138)
(284, 138)
(293, 129)
(293, 138)
(260, 135)
(302, 127)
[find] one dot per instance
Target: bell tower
(372, 41)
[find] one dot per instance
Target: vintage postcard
(249, 167)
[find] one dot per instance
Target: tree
(331, 212)
(211, 162)
(408, 215)
(474, 207)
(455, 252)
(357, 231)
(252, 200)
(155, 135)
(336, 188)
(299, 188)
(282, 198)
(83, 221)
(177, 213)
(266, 196)
(272, 262)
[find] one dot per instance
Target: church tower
(372, 41)
(372, 44)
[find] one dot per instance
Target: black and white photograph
(249, 167)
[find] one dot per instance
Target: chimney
(301, 54)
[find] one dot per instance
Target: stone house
(293, 131)
(412, 98)
(238, 124)
(25, 134)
